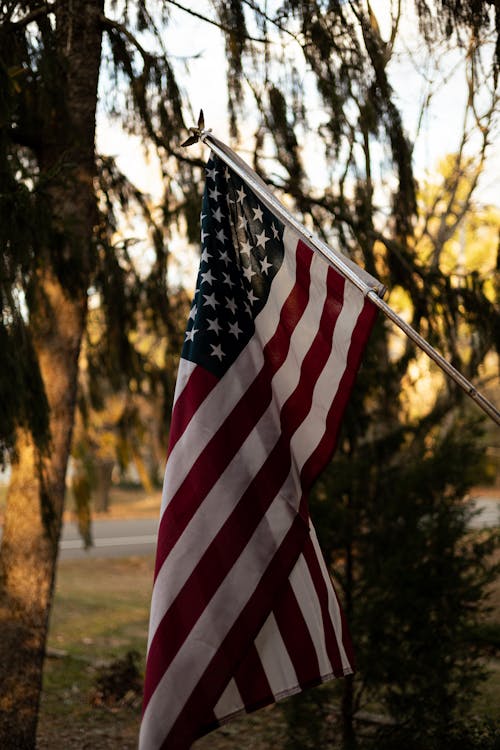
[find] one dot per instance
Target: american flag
(243, 610)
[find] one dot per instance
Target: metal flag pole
(344, 267)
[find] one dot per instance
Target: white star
(248, 273)
(247, 309)
(227, 280)
(257, 213)
(227, 175)
(208, 277)
(245, 248)
(224, 257)
(217, 352)
(202, 216)
(212, 173)
(251, 297)
(218, 215)
(192, 314)
(264, 265)
(262, 239)
(221, 236)
(241, 195)
(275, 231)
(205, 255)
(190, 334)
(235, 329)
(231, 305)
(213, 325)
(243, 222)
(203, 235)
(210, 300)
(214, 194)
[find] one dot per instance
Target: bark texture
(35, 500)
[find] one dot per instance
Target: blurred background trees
(91, 328)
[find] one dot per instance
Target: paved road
(488, 513)
(126, 538)
(112, 538)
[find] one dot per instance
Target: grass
(101, 606)
(100, 613)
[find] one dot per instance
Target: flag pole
(341, 265)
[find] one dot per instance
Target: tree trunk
(347, 708)
(31, 532)
(35, 498)
(104, 476)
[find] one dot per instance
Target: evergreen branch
(211, 21)
(108, 23)
(253, 6)
(34, 14)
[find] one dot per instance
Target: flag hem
(282, 695)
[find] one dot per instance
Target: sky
(204, 86)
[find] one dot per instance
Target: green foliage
(465, 734)
(390, 515)
(309, 719)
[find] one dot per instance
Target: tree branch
(253, 6)
(221, 26)
(37, 13)
(108, 23)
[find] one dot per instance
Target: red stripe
(197, 388)
(321, 589)
(324, 450)
(232, 538)
(211, 685)
(252, 681)
(296, 636)
(226, 442)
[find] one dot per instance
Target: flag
(243, 610)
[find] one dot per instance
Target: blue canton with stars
(242, 251)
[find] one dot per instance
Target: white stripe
(186, 367)
(230, 702)
(276, 662)
(213, 625)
